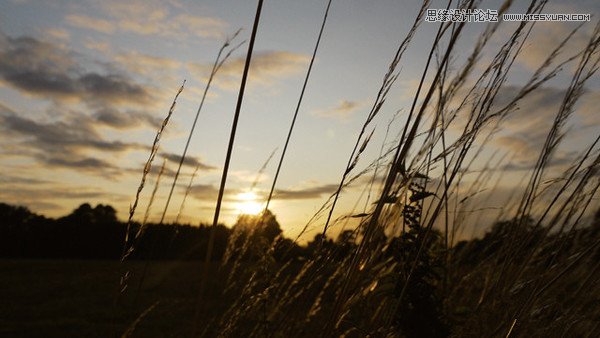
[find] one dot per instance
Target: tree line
(96, 233)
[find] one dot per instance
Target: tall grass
(402, 271)
(129, 241)
(298, 105)
(201, 307)
(219, 61)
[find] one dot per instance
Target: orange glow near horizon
(248, 203)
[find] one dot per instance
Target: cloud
(87, 22)
(44, 206)
(4, 109)
(125, 119)
(46, 198)
(587, 108)
(110, 87)
(11, 179)
(57, 193)
(265, 68)
(147, 17)
(144, 64)
(44, 69)
(99, 46)
(527, 162)
(59, 34)
(517, 143)
(209, 192)
(60, 135)
(79, 163)
(204, 191)
(202, 26)
(66, 139)
(64, 143)
(189, 161)
(534, 112)
(180, 26)
(525, 130)
(305, 193)
(545, 37)
(341, 111)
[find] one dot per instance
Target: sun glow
(248, 203)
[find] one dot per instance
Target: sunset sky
(84, 86)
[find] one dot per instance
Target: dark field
(62, 298)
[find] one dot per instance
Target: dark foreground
(75, 298)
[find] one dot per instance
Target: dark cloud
(43, 69)
(61, 136)
(306, 193)
(63, 144)
(56, 193)
(80, 163)
(6, 179)
(530, 116)
(83, 163)
(537, 109)
(169, 170)
(204, 192)
(525, 130)
(124, 120)
(45, 206)
(189, 161)
(67, 143)
(46, 198)
(210, 192)
(562, 159)
(111, 87)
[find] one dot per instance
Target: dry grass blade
(153, 195)
(216, 66)
(200, 304)
(295, 116)
(262, 170)
(127, 247)
(129, 243)
(186, 194)
(131, 329)
(388, 81)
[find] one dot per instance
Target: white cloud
(545, 37)
(144, 64)
(148, 18)
(265, 68)
(87, 22)
(58, 34)
(342, 110)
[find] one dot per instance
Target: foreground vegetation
(75, 298)
(73, 293)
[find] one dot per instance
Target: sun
(248, 203)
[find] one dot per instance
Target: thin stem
(238, 108)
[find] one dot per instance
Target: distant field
(55, 298)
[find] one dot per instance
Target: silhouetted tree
(255, 234)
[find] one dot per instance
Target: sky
(84, 86)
